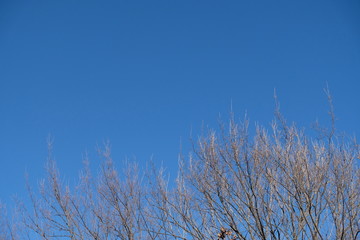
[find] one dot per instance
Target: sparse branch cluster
(278, 184)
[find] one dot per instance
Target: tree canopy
(277, 184)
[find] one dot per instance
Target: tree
(277, 184)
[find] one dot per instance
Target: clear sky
(144, 74)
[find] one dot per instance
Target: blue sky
(144, 74)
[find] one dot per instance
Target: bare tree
(275, 184)
(8, 228)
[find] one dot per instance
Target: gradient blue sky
(143, 74)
